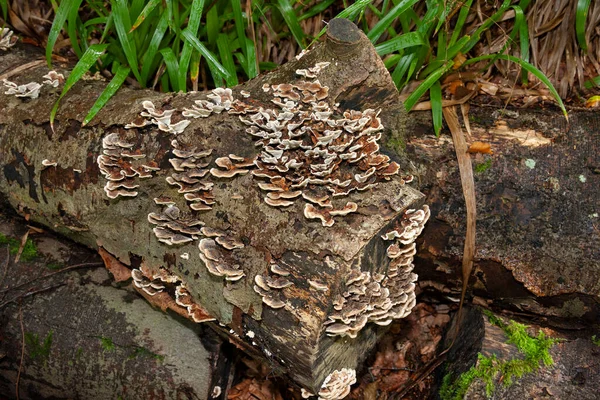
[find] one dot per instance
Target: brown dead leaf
(480, 147)
(593, 102)
(253, 389)
(119, 271)
(163, 301)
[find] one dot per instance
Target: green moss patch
(490, 369)
(484, 166)
(29, 250)
(38, 350)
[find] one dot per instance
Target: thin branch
(22, 296)
(5, 266)
(22, 349)
(76, 266)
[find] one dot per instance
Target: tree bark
(319, 258)
(538, 230)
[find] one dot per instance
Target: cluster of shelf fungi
(309, 152)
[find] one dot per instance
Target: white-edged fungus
(49, 163)
(31, 89)
(53, 78)
(6, 39)
(337, 384)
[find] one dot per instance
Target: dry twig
(22, 350)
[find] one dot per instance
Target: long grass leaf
(72, 31)
(400, 42)
(529, 68)
(318, 8)
(240, 27)
(150, 54)
(435, 97)
(289, 15)
(227, 59)
(476, 36)
(123, 26)
(425, 85)
(212, 61)
(583, 7)
(144, 14)
(386, 21)
(65, 7)
(84, 64)
(108, 92)
(460, 22)
(186, 53)
(172, 67)
(349, 12)
(592, 83)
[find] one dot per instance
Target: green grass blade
(227, 59)
(583, 7)
(123, 26)
(289, 15)
(112, 87)
(402, 68)
(213, 25)
(400, 42)
(251, 60)
(72, 31)
(65, 7)
(529, 68)
(349, 12)
(172, 67)
(186, 53)
(150, 54)
(84, 64)
(212, 61)
(476, 36)
(435, 97)
(460, 22)
(386, 21)
(426, 85)
(318, 8)
(4, 6)
(144, 14)
(245, 43)
(592, 83)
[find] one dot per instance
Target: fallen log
(270, 207)
(538, 230)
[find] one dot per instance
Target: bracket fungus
(337, 385)
(31, 89)
(53, 78)
(6, 39)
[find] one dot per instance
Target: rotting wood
(294, 272)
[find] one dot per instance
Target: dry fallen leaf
(480, 147)
(593, 102)
(119, 271)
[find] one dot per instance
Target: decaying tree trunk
(538, 230)
(270, 208)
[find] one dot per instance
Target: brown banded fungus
(307, 147)
(337, 384)
(270, 286)
(172, 228)
(121, 166)
(53, 78)
(190, 167)
(219, 260)
(381, 297)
